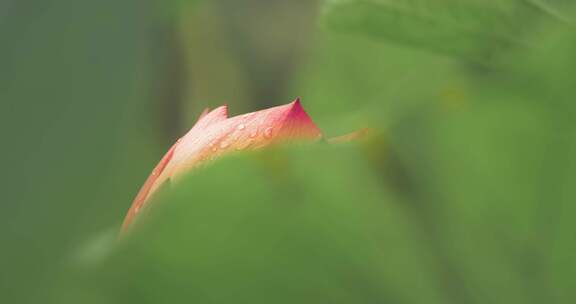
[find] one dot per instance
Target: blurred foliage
(477, 30)
(462, 194)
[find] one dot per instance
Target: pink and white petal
(163, 169)
(190, 146)
(262, 128)
(248, 131)
(297, 123)
(147, 189)
(210, 117)
(215, 134)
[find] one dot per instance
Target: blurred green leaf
(243, 231)
(471, 29)
(73, 111)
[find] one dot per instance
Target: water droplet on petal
(247, 115)
(213, 146)
(268, 132)
(243, 145)
(241, 126)
(224, 145)
(254, 133)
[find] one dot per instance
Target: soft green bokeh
(463, 192)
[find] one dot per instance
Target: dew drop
(243, 145)
(213, 146)
(241, 126)
(254, 133)
(268, 132)
(248, 115)
(224, 145)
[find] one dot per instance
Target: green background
(463, 192)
